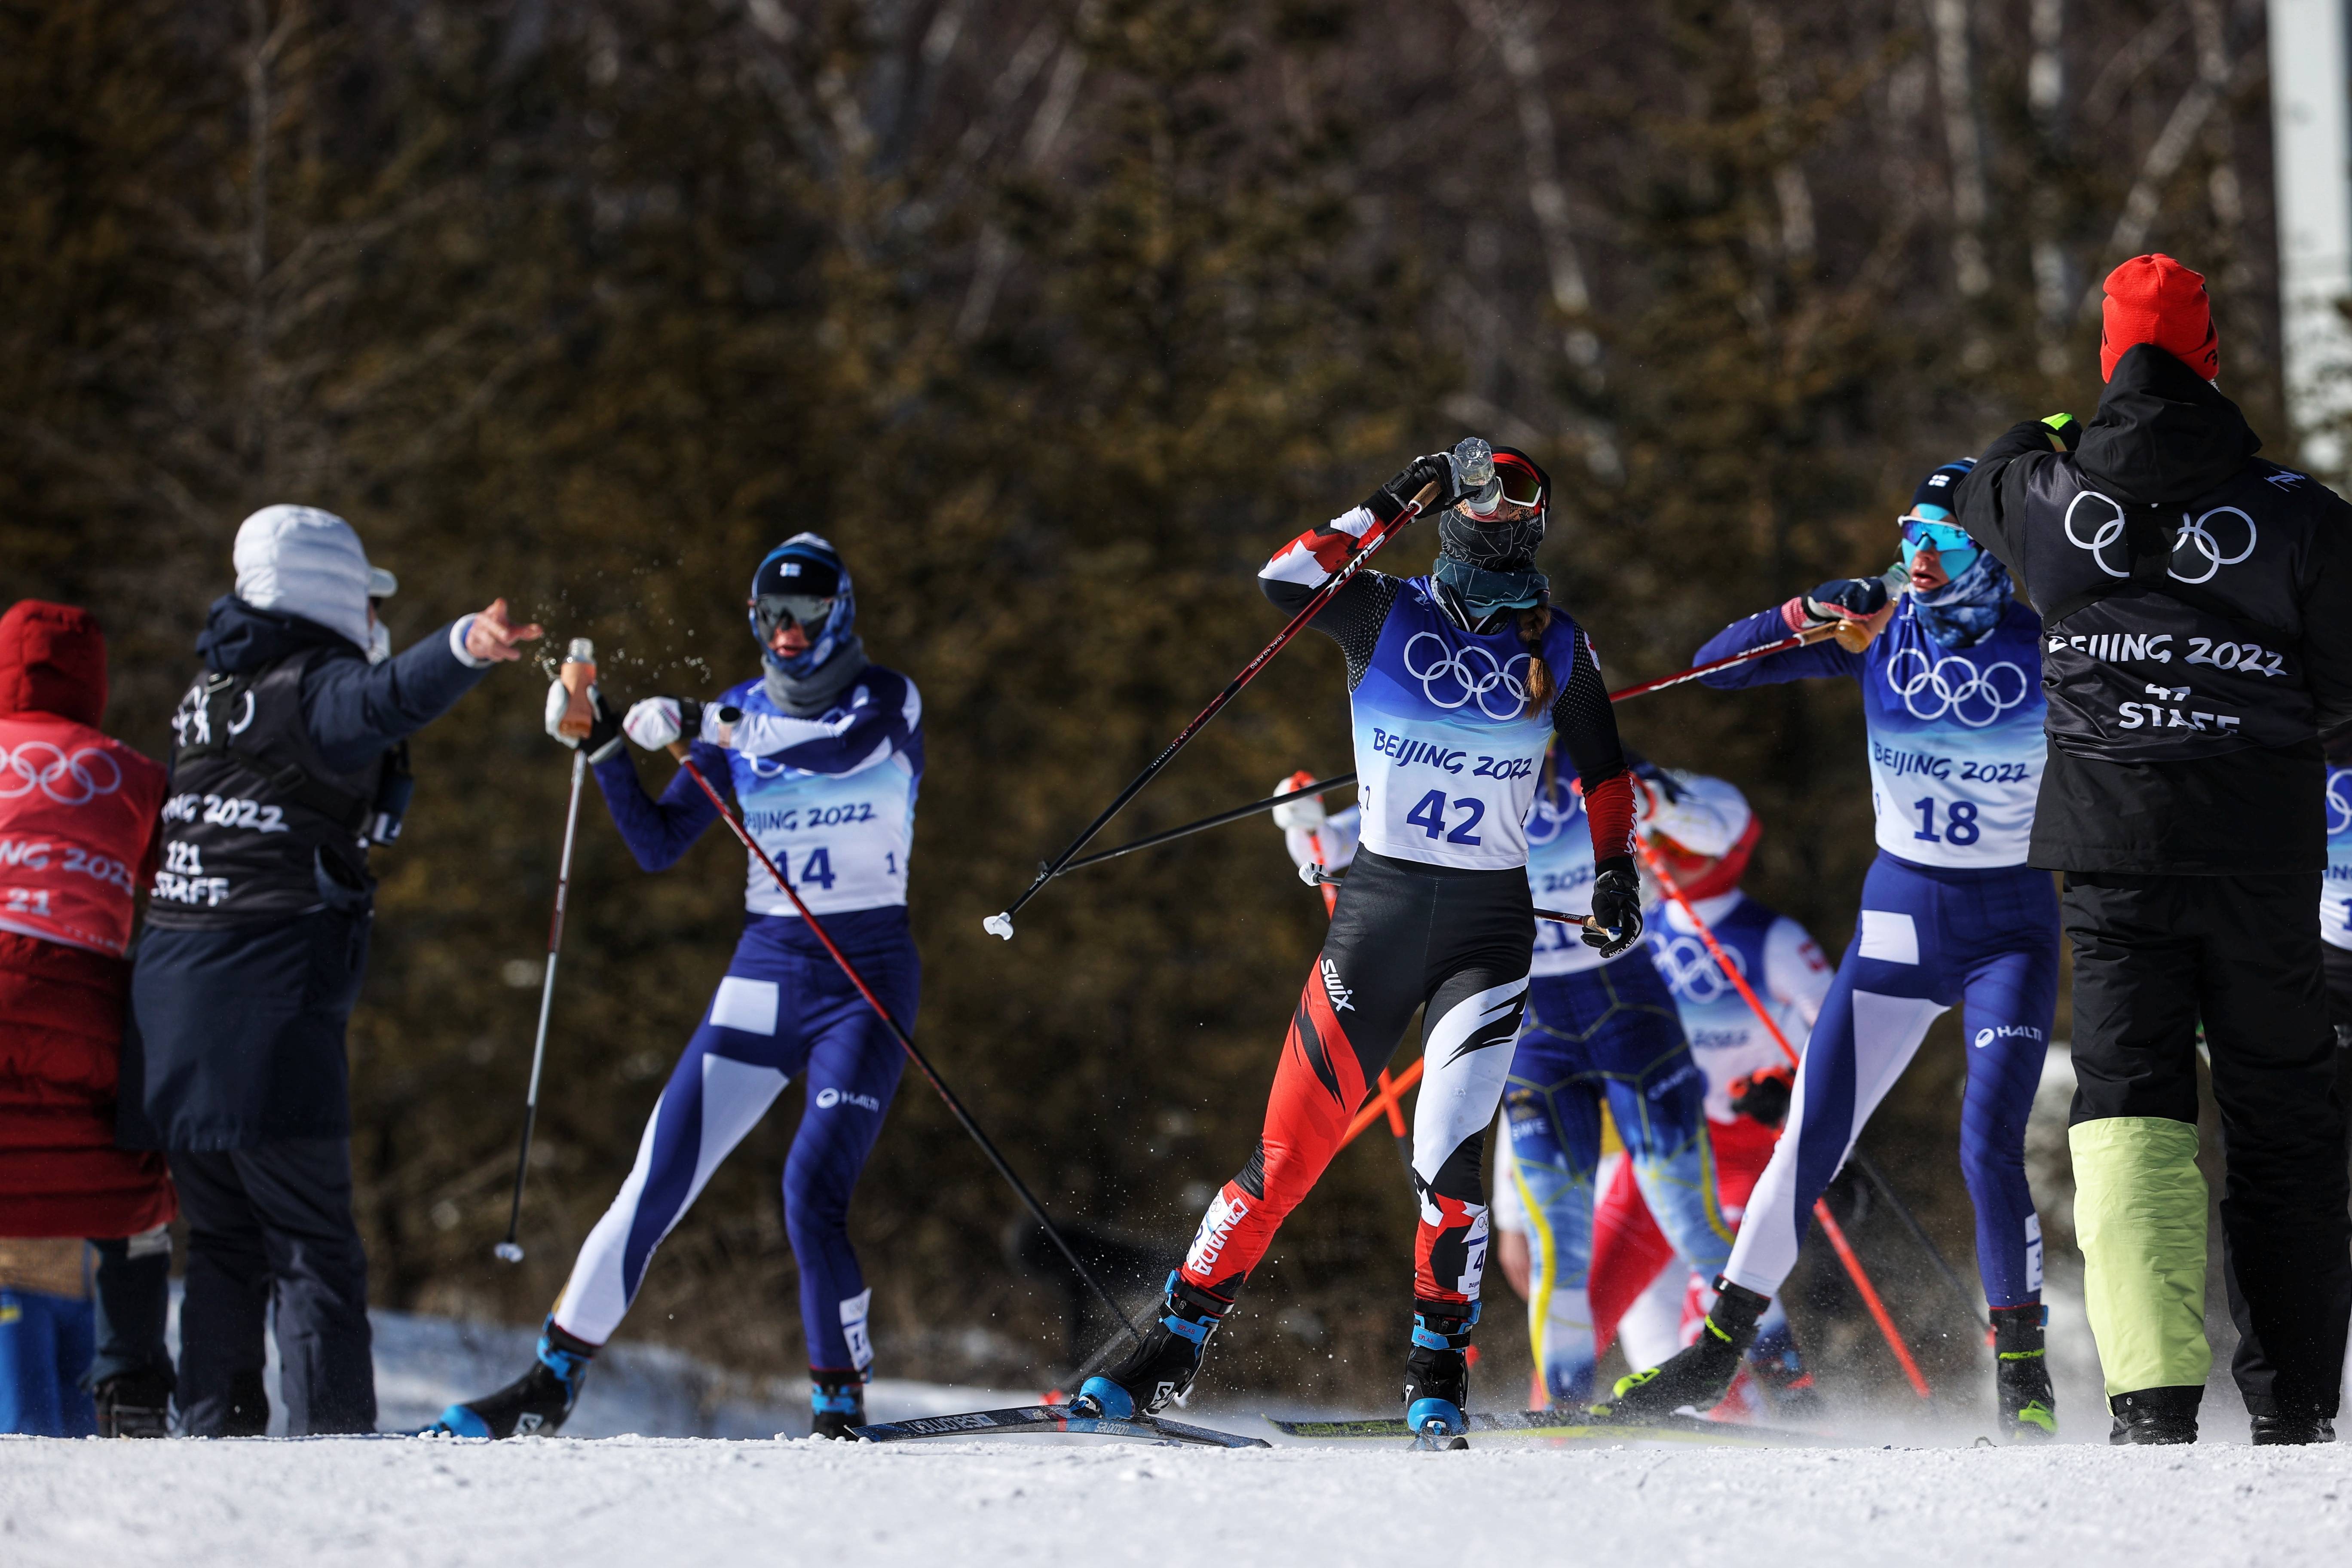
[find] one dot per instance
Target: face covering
(1475, 597)
(1963, 612)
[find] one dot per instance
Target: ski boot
(537, 1403)
(1437, 1373)
(2028, 1407)
(1162, 1368)
(1698, 1375)
(135, 1405)
(2155, 1416)
(1787, 1384)
(2295, 1427)
(835, 1405)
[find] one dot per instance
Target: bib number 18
(1429, 816)
(1960, 822)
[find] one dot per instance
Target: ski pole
(579, 673)
(1805, 638)
(906, 1043)
(1219, 820)
(1877, 1178)
(1830, 1227)
(1001, 925)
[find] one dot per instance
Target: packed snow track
(628, 1501)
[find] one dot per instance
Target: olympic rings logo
(2196, 534)
(1457, 679)
(1545, 820)
(1953, 684)
(1690, 971)
(27, 769)
(2339, 800)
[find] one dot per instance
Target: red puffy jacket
(78, 819)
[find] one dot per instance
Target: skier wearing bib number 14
(825, 752)
(1951, 915)
(1458, 681)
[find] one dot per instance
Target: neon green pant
(2139, 1217)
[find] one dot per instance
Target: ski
(1579, 1425)
(1052, 1418)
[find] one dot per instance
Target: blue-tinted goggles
(1948, 539)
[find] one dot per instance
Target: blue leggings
(45, 1346)
(784, 1010)
(1604, 1036)
(1929, 937)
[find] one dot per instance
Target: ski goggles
(1513, 482)
(1950, 540)
(774, 612)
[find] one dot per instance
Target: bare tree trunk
(1791, 190)
(2045, 94)
(2171, 146)
(1951, 21)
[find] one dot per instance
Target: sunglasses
(1513, 482)
(1942, 537)
(776, 611)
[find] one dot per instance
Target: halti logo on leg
(1986, 1037)
(1342, 997)
(826, 1099)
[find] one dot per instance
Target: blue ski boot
(536, 1404)
(835, 1405)
(1162, 1368)
(1437, 1373)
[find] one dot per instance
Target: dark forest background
(1055, 317)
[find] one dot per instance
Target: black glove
(1857, 596)
(604, 735)
(2064, 429)
(1393, 496)
(1764, 1096)
(1616, 907)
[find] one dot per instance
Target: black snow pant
(132, 1290)
(2256, 1377)
(2153, 957)
(272, 1227)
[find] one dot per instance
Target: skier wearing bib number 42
(1951, 915)
(1457, 680)
(825, 752)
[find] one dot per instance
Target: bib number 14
(1429, 816)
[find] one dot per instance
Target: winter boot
(135, 1405)
(2020, 1376)
(836, 1404)
(2155, 1416)
(1437, 1373)
(1161, 1367)
(537, 1403)
(1698, 1375)
(1774, 1362)
(2292, 1427)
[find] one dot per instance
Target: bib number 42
(1429, 816)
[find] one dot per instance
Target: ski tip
(999, 925)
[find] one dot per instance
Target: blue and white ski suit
(832, 801)
(1951, 915)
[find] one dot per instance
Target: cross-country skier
(1458, 680)
(824, 751)
(1950, 915)
(1703, 831)
(1599, 1032)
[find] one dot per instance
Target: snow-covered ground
(630, 1502)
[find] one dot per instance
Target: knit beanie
(2155, 299)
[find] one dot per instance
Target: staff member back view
(2197, 605)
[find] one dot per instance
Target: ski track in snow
(628, 1501)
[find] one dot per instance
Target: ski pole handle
(578, 674)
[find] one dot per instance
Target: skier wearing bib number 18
(1951, 915)
(1458, 681)
(825, 752)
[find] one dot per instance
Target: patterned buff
(1963, 611)
(807, 684)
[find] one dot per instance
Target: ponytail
(1541, 689)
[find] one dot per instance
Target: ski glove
(1616, 907)
(1392, 498)
(1763, 1096)
(657, 721)
(604, 732)
(1847, 599)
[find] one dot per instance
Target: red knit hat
(2155, 299)
(52, 660)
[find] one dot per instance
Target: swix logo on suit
(1445, 750)
(1956, 744)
